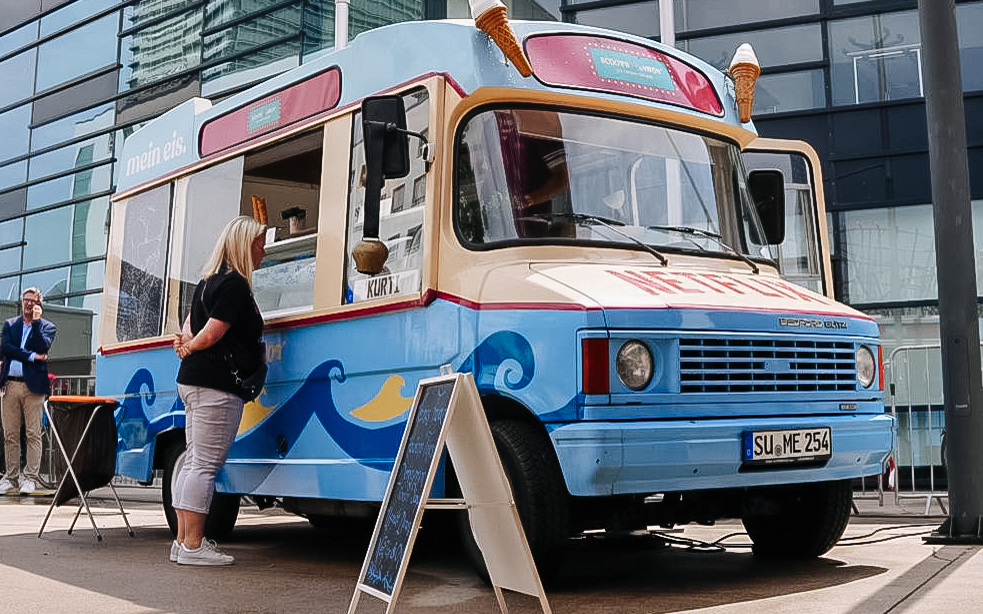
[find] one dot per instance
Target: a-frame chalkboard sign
(447, 412)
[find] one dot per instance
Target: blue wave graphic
(490, 355)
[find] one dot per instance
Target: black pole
(962, 383)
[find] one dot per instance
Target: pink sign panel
(272, 112)
(619, 67)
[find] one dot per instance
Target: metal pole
(341, 23)
(667, 23)
(962, 383)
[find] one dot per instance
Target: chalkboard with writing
(408, 489)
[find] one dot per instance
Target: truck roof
(376, 61)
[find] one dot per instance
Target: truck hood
(641, 287)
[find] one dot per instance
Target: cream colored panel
(333, 213)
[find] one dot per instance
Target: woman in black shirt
(224, 322)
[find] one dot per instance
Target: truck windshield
(535, 176)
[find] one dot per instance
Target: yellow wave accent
(253, 413)
(386, 405)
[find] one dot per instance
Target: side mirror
(767, 188)
(387, 156)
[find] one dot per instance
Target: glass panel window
(47, 236)
(11, 231)
(90, 228)
(890, 254)
(78, 52)
(69, 187)
(161, 50)
(400, 229)
(875, 58)
(52, 282)
(319, 26)
(641, 19)
(87, 276)
(73, 13)
(96, 149)
(17, 76)
(774, 47)
(16, 136)
(790, 91)
(250, 34)
(72, 127)
(13, 174)
(204, 204)
(969, 23)
(24, 35)
(139, 290)
(10, 260)
(799, 258)
(10, 288)
(250, 68)
(700, 14)
(146, 10)
(73, 232)
(538, 176)
(366, 15)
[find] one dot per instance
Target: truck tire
(800, 521)
(539, 493)
(222, 513)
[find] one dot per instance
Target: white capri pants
(211, 422)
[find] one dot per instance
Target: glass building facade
(845, 75)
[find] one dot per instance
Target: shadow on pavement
(290, 566)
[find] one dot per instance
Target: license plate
(790, 446)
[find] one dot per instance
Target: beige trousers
(20, 403)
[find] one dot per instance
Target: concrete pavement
(882, 565)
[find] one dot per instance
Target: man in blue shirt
(25, 340)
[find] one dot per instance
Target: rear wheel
(224, 509)
(539, 492)
(799, 521)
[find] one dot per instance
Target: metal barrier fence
(914, 396)
(78, 385)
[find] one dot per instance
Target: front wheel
(222, 513)
(539, 493)
(798, 521)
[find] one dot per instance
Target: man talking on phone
(26, 340)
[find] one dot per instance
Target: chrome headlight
(866, 366)
(634, 365)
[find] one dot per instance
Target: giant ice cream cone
(259, 210)
(490, 17)
(744, 68)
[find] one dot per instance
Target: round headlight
(866, 366)
(634, 365)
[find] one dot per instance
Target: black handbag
(250, 384)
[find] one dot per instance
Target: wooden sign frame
(447, 412)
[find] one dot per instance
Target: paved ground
(284, 565)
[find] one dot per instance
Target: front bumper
(614, 458)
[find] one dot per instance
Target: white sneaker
(175, 549)
(206, 554)
(27, 487)
(5, 485)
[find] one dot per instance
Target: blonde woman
(224, 320)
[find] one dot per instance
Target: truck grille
(766, 365)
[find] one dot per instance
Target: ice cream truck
(571, 221)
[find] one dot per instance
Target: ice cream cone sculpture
(744, 69)
(490, 17)
(259, 209)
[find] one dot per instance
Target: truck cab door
(803, 256)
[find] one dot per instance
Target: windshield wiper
(690, 230)
(610, 224)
